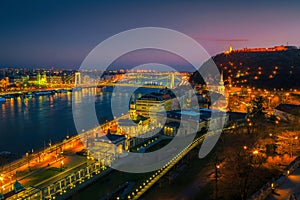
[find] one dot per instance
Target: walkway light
(255, 152)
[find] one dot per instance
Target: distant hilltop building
(271, 49)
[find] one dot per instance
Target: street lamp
(1, 180)
(292, 143)
(272, 186)
(28, 162)
(255, 152)
(61, 165)
(217, 167)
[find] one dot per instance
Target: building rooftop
(172, 124)
(189, 113)
(126, 122)
(111, 138)
(289, 108)
(17, 186)
(161, 95)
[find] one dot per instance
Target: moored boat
(43, 93)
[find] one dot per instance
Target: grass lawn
(108, 183)
(43, 176)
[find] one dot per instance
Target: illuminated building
(4, 83)
(189, 120)
(132, 111)
(41, 79)
(108, 147)
(230, 50)
(55, 80)
(154, 102)
(170, 128)
(25, 80)
(262, 49)
(139, 130)
(7, 80)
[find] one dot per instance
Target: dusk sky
(62, 33)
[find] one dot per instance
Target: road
(21, 170)
(161, 172)
(289, 187)
(38, 161)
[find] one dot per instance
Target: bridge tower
(172, 82)
(77, 78)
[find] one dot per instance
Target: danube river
(34, 122)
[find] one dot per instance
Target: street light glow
(255, 152)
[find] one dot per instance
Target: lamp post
(269, 104)
(287, 97)
(1, 182)
(273, 186)
(217, 167)
(61, 165)
(256, 158)
(28, 162)
(295, 138)
(255, 152)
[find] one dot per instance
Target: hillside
(269, 70)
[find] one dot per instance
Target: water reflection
(28, 123)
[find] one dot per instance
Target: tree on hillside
(286, 143)
(3, 84)
(256, 114)
(258, 110)
(243, 161)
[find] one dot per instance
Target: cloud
(222, 39)
(231, 40)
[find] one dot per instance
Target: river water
(31, 123)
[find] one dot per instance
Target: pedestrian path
(290, 187)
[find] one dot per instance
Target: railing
(10, 167)
(268, 188)
(60, 188)
(140, 190)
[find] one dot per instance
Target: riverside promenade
(289, 189)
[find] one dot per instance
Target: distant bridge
(130, 85)
(148, 80)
